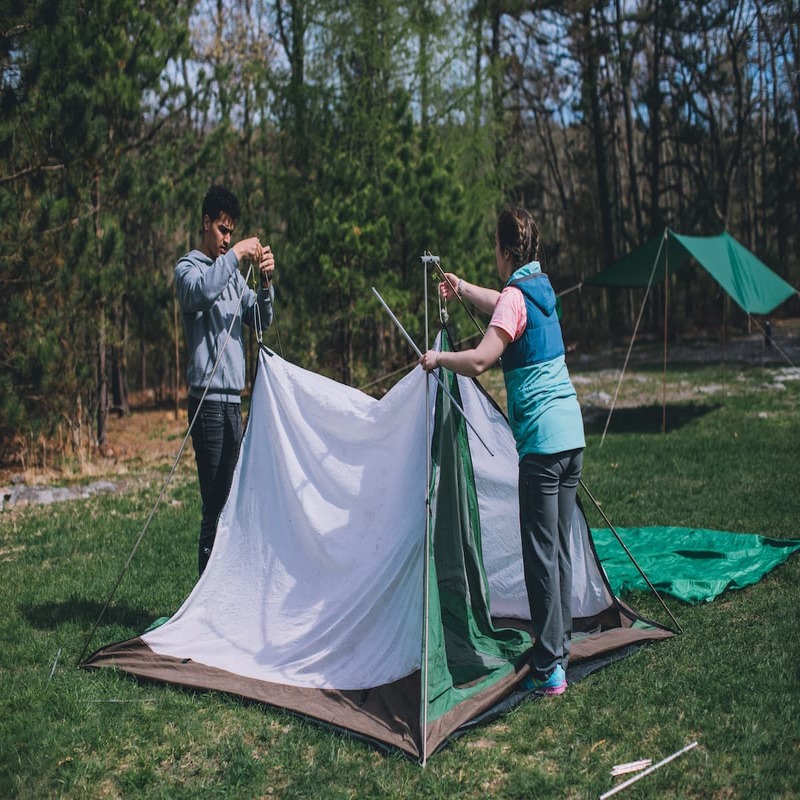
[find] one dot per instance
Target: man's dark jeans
(216, 437)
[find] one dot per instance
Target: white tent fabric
(316, 575)
(496, 486)
(316, 578)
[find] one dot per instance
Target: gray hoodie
(208, 293)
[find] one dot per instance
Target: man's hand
(260, 255)
(248, 250)
(266, 265)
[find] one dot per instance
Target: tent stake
(630, 556)
(641, 775)
(55, 661)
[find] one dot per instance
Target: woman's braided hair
(519, 234)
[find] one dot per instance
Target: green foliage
(74, 138)
(370, 192)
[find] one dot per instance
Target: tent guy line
(773, 343)
(166, 480)
(633, 339)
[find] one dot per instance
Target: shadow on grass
(48, 616)
(645, 419)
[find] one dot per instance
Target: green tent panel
(754, 287)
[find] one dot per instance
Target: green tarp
(694, 565)
(754, 287)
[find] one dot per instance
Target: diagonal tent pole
(438, 379)
(630, 555)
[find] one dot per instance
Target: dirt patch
(147, 441)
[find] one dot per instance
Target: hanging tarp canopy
(355, 584)
(754, 287)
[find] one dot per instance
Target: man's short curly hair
(220, 200)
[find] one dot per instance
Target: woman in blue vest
(546, 421)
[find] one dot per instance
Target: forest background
(360, 135)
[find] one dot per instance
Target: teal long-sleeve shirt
(208, 294)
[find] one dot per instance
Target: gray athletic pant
(547, 488)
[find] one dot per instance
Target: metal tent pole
(428, 534)
(416, 349)
(664, 372)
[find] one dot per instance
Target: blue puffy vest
(542, 340)
(543, 409)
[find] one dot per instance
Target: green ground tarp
(754, 287)
(694, 565)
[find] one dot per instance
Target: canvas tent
(367, 569)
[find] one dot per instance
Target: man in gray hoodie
(215, 301)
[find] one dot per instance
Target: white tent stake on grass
(641, 775)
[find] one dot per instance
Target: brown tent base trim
(575, 674)
(387, 717)
(380, 714)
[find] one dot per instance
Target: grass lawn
(728, 461)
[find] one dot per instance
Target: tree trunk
(654, 104)
(592, 98)
(102, 377)
(625, 64)
(177, 356)
(102, 382)
(119, 368)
